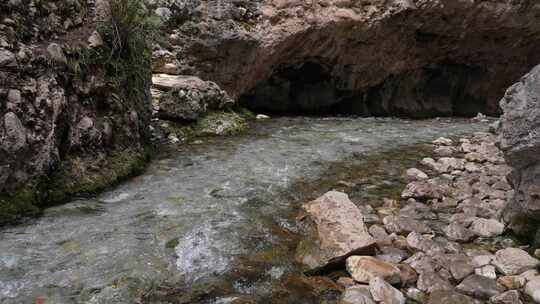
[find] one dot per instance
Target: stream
(212, 222)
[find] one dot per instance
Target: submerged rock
(335, 230)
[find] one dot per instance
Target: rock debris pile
(443, 242)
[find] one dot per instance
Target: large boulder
(187, 97)
(520, 142)
(334, 229)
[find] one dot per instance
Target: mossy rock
(76, 175)
(220, 123)
(12, 207)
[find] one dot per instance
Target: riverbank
(442, 241)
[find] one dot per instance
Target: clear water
(195, 214)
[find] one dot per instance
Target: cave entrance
(312, 88)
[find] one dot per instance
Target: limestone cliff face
(520, 141)
(410, 57)
(66, 124)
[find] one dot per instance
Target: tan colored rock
(365, 268)
(511, 282)
(335, 230)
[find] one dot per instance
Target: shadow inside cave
(311, 88)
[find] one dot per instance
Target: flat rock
(383, 292)
(404, 225)
(478, 287)
(364, 268)
(357, 294)
(334, 230)
(512, 261)
(487, 227)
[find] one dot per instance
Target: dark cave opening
(311, 88)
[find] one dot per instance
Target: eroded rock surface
(520, 141)
(367, 57)
(336, 231)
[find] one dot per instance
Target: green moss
(83, 175)
(220, 123)
(171, 244)
(23, 202)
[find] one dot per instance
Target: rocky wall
(383, 57)
(69, 123)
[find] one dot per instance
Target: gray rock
(414, 174)
(392, 254)
(509, 297)
(422, 243)
(443, 141)
(15, 138)
(188, 97)
(163, 13)
(404, 225)
(381, 236)
(532, 289)
(430, 281)
(357, 294)
(487, 271)
(460, 267)
(95, 40)
(487, 227)
(450, 297)
(7, 58)
(478, 287)
(512, 261)
(520, 142)
(56, 53)
(383, 292)
(335, 230)
(457, 232)
(416, 294)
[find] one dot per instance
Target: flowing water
(207, 223)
